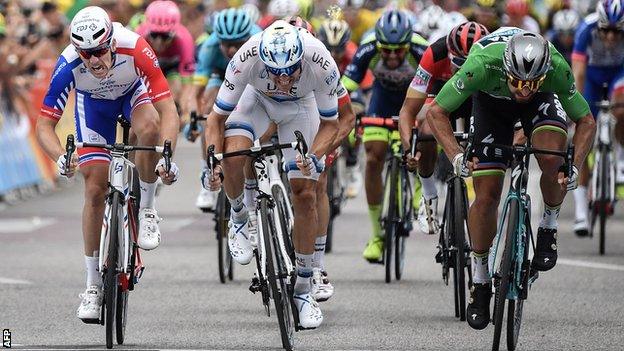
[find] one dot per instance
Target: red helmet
(460, 39)
(299, 22)
(517, 7)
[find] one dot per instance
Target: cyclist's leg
(617, 97)
(427, 208)
(548, 131)
(244, 125)
(95, 122)
(492, 123)
(206, 199)
(376, 145)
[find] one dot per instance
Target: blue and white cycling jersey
(211, 63)
(604, 63)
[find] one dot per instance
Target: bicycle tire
(280, 299)
(515, 307)
(332, 210)
(389, 223)
(500, 295)
(110, 274)
(459, 239)
(602, 214)
(400, 227)
(279, 198)
(222, 217)
(121, 315)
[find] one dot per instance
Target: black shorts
(493, 121)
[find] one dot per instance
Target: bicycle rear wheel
(503, 276)
(390, 220)
(401, 227)
(331, 190)
(111, 279)
(604, 202)
(459, 242)
(222, 217)
(278, 278)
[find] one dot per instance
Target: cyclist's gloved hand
(212, 180)
(61, 162)
(459, 167)
(571, 182)
(310, 165)
(191, 135)
(167, 178)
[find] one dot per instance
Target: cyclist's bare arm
(47, 137)
(407, 117)
(328, 129)
(169, 120)
(579, 70)
(438, 119)
(215, 130)
(346, 122)
(583, 138)
(208, 98)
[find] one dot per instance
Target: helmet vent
(98, 34)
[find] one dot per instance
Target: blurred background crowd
(34, 32)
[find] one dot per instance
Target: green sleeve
(561, 82)
(468, 80)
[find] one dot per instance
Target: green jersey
(484, 71)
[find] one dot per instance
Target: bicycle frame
(603, 144)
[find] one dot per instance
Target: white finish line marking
(13, 281)
(24, 225)
(589, 264)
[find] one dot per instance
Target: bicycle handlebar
(194, 119)
(70, 147)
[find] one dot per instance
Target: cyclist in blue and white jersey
(598, 58)
(231, 28)
(285, 76)
(392, 53)
(565, 22)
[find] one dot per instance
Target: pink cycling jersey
(179, 54)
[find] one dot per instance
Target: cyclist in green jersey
(512, 75)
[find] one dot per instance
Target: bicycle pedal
(299, 327)
(91, 321)
(255, 285)
(375, 261)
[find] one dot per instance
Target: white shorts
(255, 111)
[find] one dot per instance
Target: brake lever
(167, 155)
(70, 147)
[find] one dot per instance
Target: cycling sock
(429, 189)
(580, 202)
(549, 218)
(93, 276)
(319, 252)
(250, 194)
(148, 192)
(304, 273)
(239, 212)
(480, 273)
(374, 211)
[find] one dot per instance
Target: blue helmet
(393, 27)
(232, 25)
(281, 48)
(610, 13)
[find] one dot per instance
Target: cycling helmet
(232, 25)
(356, 4)
(281, 49)
(566, 21)
(283, 8)
(299, 22)
(430, 19)
(252, 11)
(393, 27)
(209, 21)
(610, 13)
(306, 8)
(460, 39)
(527, 56)
(517, 8)
(335, 34)
(162, 16)
(486, 3)
(91, 28)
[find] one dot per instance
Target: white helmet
(430, 20)
(566, 21)
(451, 20)
(91, 28)
(281, 49)
(283, 8)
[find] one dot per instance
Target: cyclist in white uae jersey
(113, 72)
(288, 77)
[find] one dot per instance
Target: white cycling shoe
(149, 233)
(428, 216)
(354, 181)
(240, 239)
(91, 304)
(310, 315)
(206, 200)
(322, 289)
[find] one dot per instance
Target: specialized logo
(528, 50)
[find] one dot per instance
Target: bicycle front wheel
(278, 279)
(222, 217)
(111, 279)
(401, 227)
(503, 275)
(331, 195)
(459, 241)
(389, 223)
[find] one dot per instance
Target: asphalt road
(180, 304)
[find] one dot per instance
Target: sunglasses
(232, 44)
(164, 36)
(97, 52)
(392, 48)
(532, 85)
(607, 30)
(457, 61)
(288, 71)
